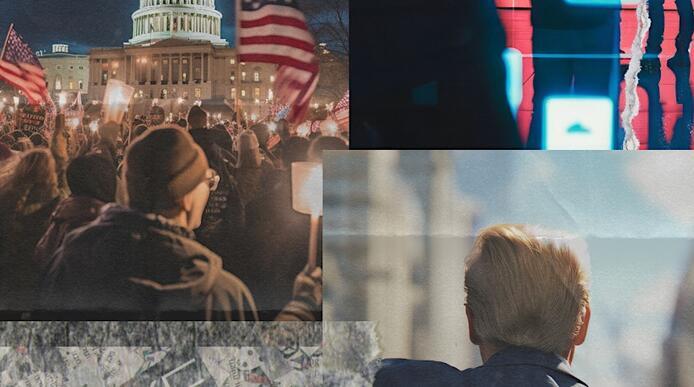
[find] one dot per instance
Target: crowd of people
(183, 220)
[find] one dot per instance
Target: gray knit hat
(161, 167)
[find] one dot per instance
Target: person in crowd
(527, 311)
(92, 183)
(575, 52)
(276, 234)
(182, 122)
(8, 140)
(284, 134)
(197, 118)
(107, 144)
(27, 200)
(197, 124)
(222, 137)
(22, 144)
(5, 152)
(323, 143)
(263, 134)
(250, 166)
(294, 149)
(457, 90)
(139, 131)
(140, 261)
(222, 225)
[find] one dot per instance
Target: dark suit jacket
(518, 367)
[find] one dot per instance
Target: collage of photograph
(387, 193)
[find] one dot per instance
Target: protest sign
(31, 118)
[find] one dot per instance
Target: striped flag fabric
(279, 111)
(341, 112)
(20, 68)
(275, 31)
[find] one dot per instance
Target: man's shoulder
(405, 373)
(401, 372)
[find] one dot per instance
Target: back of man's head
(161, 167)
(92, 176)
(197, 117)
(526, 288)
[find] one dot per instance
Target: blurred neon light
(513, 59)
(578, 123)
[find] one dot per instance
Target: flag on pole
(20, 68)
(276, 32)
(341, 111)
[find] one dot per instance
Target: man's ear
(583, 331)
(470, 326)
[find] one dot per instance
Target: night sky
(83, 24)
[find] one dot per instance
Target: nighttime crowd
(187, 220)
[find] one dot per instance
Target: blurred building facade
(66, 72)
(176, 55)
(395, 239)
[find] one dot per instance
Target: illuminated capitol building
(176, 55)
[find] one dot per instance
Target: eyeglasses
(212, 179)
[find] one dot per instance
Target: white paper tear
(631, 78)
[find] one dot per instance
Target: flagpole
(238, 65)
(4, 46)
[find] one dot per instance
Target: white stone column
(451, 229)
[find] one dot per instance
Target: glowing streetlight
(94, 126)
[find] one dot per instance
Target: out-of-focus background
(398, 225)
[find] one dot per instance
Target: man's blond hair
(526, 288)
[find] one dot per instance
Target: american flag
(341, 112)
(275, 31)
(20, 68)
(279, 111)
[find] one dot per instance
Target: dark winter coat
(91, 275)
(71, 213)
(126, 265)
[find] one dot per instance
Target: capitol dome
(180, 19)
